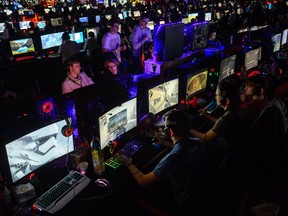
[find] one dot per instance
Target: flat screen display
(185, 20)
(93, 29)
(97, 18)
(2, 27)
(108, 16)
(120, 16)
(284, 37)
(200, 35)
(208, 16)
(127, 13)
(196, 83)
(117, 121)
(136, 14)
(83, 19)
(252, 58)
(51, 40)
(56, 22)
(163, 96)
(192, 16)
(41, 24)
(276, 39)
(77, 36)
(24, 25)
(150, 25)
(22, 46)
(37, 148)
(227, 67)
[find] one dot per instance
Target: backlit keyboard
(61, 193)
(129, 150)
(211, 106)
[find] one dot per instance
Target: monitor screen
(51, 40)
(196, 83)
(41, 24)
(22, 46)
(163, 96)
(252, 58)
(284, 37)
(136, 14)
(56, 22)
(200, 35)
(47, 10)
(117, 121)
(208, 16)
(276, 39)
(2, 27)
(77, 36)
(108, 16)
(127, 13)
(150, 25)
(37, 148)
(192, 16)
(120, 16)
(24, 25)
(97, 18)
(227, 67)
(185, 20)
(83, 19)
(92, 29)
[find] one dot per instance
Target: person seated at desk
(212, 41)
(255, 97)
(181, 168)
(75, 78)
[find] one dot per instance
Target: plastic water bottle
(97, 156)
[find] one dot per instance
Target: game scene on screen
(37, 148)
(227, 67)
(252, 58)
(22, 46)
(117, 121)
(163, 96)
(51, 40)
(196, 83)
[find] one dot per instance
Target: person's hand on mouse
(124, 160)
(203, 112)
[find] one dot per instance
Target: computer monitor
(77, 36)
(24, 25)
(56, 22)
(200, 32)
(227, 67)
(36, 149)
(117, 121)
(2, 27)
(208, 16)
(127, 13)
(162, 22)
(52, 40)
(22, 46)
(252, 58)
(284, 37)
(83, 20)
(150, 25)
(169, 41)
(41, 24)
(97, 18)
(185, 20)
(196, 83)
(163, 96)
(276, 39)
(92, 29)
(46, 10)
(192, 16)
(136, 14)
(108, 16)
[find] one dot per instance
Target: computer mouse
(101, 182)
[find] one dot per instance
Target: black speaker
(67, 130)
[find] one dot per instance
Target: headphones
(67, 130)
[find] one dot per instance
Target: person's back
(68, 48)
(90, 44)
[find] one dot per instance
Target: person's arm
(207, 115)
(203, 136)
(134, 39)
(142, 179)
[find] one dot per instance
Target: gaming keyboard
(61, 193)
(129, 150)
(210, 107)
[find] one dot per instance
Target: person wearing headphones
(75, 78)
(255, 97)
(181, 169)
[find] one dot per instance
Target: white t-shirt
(111, 42)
